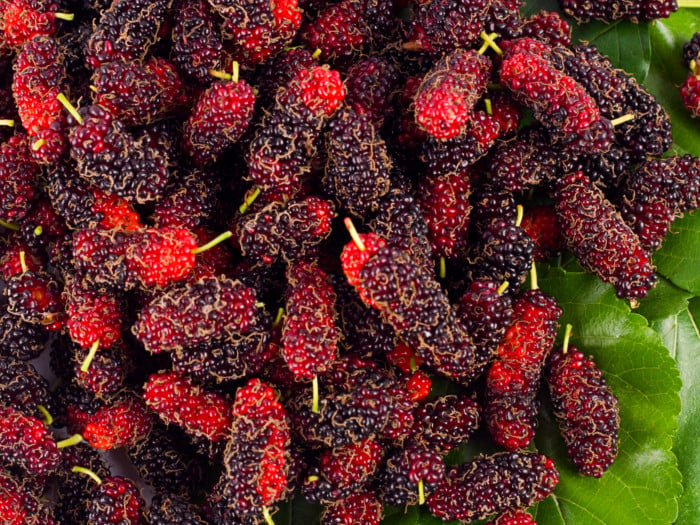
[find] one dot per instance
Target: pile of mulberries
(186, 242)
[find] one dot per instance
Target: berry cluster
(285, 362)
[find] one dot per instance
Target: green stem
(266, 515)
(278, 318)
(519, 216)
(7, 122)
(38, 230)
(64, 16)
(316, 54)
(221, 75)
(490, 42)
(9, 225)
(70, 107)
(48, 418)
(69, 442)
(567, 336)
(533, 277)
(421, 492)
(38, 144)
(353, 233)
(91, 355)
(23, 261)
(87, 472)
(503, 287)
(621, 120)
(216, 240)
(249, 200)
(443, 268)
(236, 70)
(489, 106)
(314, 393)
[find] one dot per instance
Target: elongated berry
(492, 484)
(602, 242)
(586, 410)
(221, 115)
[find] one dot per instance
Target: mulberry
(608, 11)
(27, 444)
(602, 242)
(111, 158)
(558, 101)
(124, 422)
(290, 231)
(197, 41)
(348, 28)
(586, 409)
(444, 203)
(485, 311)
(283, 146)
(449, 91)
(370, 83)
(493, 484)
(445, 423)
(424, 315)
(363, 508)
(38, 79)
(126, 31)
(177, 400)
(309, 335)
(513, 380)
(18, 174)
(257, 456)
(221, 115)
(443, 25)
(409, 475)
(116, 500)
(137, 93)
(257, 29)
(358, 165)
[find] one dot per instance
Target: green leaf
(531, 7)
(678, 259)
(682, 338)
(668, 72)
(643, 485)
(626, 44)
(664, 300)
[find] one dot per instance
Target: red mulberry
(257, 29)
(449, 92)
(221, 115)
(137, 93)
(513, 380)
(257, 457)
(199, 412)
(309, 335)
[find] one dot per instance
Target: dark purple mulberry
(358, 165)
(603, 244)
(586, 410)
(491, 484)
